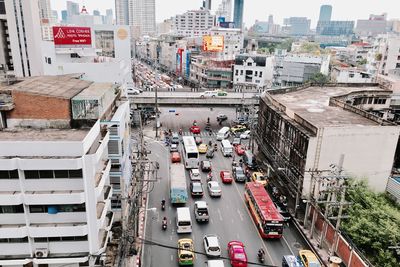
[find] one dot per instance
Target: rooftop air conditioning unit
(41, 252)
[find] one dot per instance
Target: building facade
(45, 12)
(225, 10)
(325, 13)
(122, 12)
(253, 72)
(311, 128)
(193, 23)
(211, 73)
(297, 26)
(238, 13)
(57, 185)
(142, 17)
(376, 24)
(233, 42)
(350, 75)
(335, 28)
(72, 9)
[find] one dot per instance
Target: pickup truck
(201, 211)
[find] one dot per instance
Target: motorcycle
(215, 147)
(209, 177)
(163, 204)
(164, 223)
(180, 131)
(260, 255)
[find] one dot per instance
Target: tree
(373, 224)
(319, 79)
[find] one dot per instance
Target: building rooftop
(61, 86)
(94, 90)
(26, 134)
(312, 104)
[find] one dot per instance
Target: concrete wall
(368, 153)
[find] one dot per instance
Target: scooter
(260, 255)
(162, 204)
(164, 224)
(209, 177)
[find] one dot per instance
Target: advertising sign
(227, 24)
(213, 43)
(72, 36)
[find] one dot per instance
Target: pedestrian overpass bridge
(193, 99)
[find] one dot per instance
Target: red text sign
(72, 36)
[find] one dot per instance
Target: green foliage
(362, 62)
(373, 225)
(319, 78)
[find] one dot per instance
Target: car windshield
(239, 172)
(215, 187)
(206, 164)
(197, 187)
(239, 256)
(195, 173)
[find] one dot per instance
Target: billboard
(213, 43)
(227, 24)
(72, 36)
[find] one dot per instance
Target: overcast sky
(260, 9)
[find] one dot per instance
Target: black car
(210, 153)
(205, 165)
(238, 174)
(196, 189)
(222, 117)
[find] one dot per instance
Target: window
(12, 209)
(241, 72)
(51, 174)
(351, 75)
(249, 64)
(11, 174)
(260, 74)
(31, 174)
(14, 240)
(397, 65)
(236, 72)
(59, 208)
(255, 73)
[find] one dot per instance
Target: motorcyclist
(164, 220)
(261, 253)
(163, 204)
(209, 176)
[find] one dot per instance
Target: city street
(229, 216)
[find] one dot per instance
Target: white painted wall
(368, 153)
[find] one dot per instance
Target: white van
(183, 221)
(215, 263)
(226, 148)
(223, 133)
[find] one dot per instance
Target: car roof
(195, 170)
(212, 240)
(201, 204)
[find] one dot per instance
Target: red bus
(266, 216)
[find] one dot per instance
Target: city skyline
(340, 10)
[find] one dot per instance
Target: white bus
(190, 153)
(183, 221)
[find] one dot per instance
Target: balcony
(54, 197)
(101, 177)
(12, 218)
(60, 217)
(16, 249)
(64, 229)
(13, 231)
(10, 198)
(64, 247)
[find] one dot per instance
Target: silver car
(173, 148)
(214, 189)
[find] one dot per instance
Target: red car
(226, 177)
(195, 129)
(175, 157)
(237, 254)
(239, 150)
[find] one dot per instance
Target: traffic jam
(267, 206)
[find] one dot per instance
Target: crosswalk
(202, 134)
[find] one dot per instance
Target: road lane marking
(258, 233)
(291, 251)
(240, 214)
(172, 258)
(220, 215)
(211, 221)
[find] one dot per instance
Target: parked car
(202, 148)
(211, 245)
(195, 129)
(259, 177)
(173, 148)
(236, 141)
(238, 174)
(185, 251)
(226, 177)
(205, 165)
(245, 135)
(210, 153)
(198, 140)
(239, 150)
(175, 157)
(194, 175)
(214, 189)
(196, 189)
(237, 254)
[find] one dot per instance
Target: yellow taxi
(238, 128)
(309, 259)
(185, 251)
(203, 148)
(260, 178)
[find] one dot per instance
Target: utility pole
(156, 103)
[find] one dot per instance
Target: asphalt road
(192, 94)
(229, 216)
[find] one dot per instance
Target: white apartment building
(108, 59)
(194, 23)
(233, 42)
(21, 35)
(225, 10)
(350, 75)
(142, 17)
(56, 181)
(253, 71)
(45, 12)
(385, 55)
(122, 12)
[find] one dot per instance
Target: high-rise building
(335, 27)
(45, 11)
(72, 9)
(297, 25)
(20, 51)
(122, 12)
(374, 25)
(193, 23)
(109, 16)
(225, 10)
(54, 15)
(238, 13)
(142, 17)
(64, 16)
(325, 13)
(96, 13)
(207, 4)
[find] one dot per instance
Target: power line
(157, 243)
